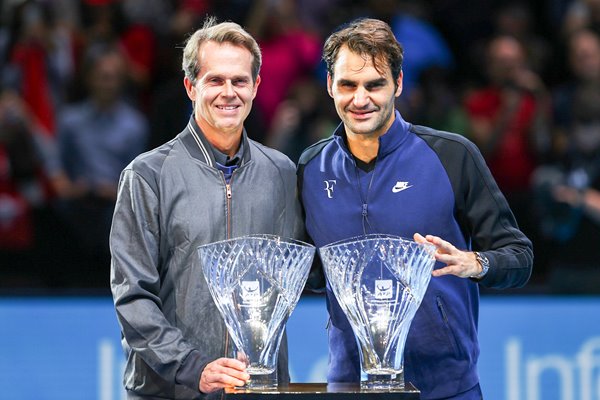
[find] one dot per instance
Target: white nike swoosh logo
(398, 187)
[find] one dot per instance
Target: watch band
(485, 265)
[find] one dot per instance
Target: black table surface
(324, 391)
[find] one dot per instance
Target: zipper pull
(364, 210)
(228, 189)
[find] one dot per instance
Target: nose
(361, 97)
(228, 89)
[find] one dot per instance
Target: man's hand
(463, 264)
(221, 373)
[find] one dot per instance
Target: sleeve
(316, 281)
(294, 223)
(485, 215)
(135, 284)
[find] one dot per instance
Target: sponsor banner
(532, 348)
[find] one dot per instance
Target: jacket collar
(388, 142)
(200, 148)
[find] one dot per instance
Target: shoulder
(460, 158)
(314, 150)
(263, 154)
(444, 141)
(149, 165)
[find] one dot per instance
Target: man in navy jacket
(380, 174)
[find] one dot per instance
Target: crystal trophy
(255, 282)
(379, 282)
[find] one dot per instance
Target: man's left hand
(463, 264)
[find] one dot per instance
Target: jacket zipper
(364, 199)
(451, 337)
(228, 194)
(227, 235)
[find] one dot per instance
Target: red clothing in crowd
(512, 159)
(35, 86)
(286, 58)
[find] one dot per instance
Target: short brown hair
(366, 36)
(224, 32)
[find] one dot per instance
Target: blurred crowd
(86, 85)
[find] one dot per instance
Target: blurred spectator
(509, 117)
(583, 54)
(187, 15)
(568, 194)
(303, 118)
(582, 14)
(289, 51)
(515, 19)
(321, 16)
(437, 102)
(509, 121)
(102, 21)
(135, 26)
(97, 138)
(22, 191)
(420, 39)
(38, 60)
(170, 107)
(43, 45)
(566, 188)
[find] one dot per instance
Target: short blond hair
(224, 32)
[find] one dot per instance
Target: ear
(329, 84)
(189, 88)
(399, 84)
(255, 89)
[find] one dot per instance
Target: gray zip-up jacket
(171, 200)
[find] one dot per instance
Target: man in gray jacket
(207, 184)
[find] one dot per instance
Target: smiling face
(363, 96)
(223, 90)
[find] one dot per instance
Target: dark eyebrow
(375, 82)
(380, 81)
(346, 82)
(233, 78)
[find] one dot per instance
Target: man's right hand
(222, 373)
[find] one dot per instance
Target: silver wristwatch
(485, 265)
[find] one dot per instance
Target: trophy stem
(384, 382)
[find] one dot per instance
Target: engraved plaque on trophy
(379, 282)
(256, 281)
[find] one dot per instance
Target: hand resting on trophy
(222, 373)
(461, 263)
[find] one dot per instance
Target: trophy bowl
(256, 282)
(379, 282)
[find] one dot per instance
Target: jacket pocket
(450, 334)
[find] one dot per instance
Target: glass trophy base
(387, 382)
(261, 383)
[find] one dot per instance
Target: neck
(363, 147)
(226, 142)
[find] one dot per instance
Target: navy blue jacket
(429, 182)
